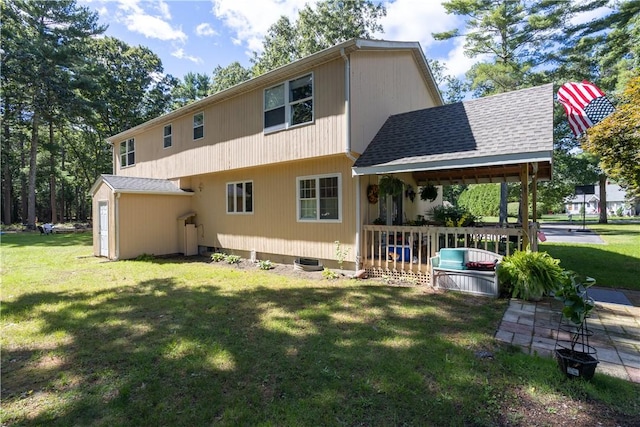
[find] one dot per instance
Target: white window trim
(287, 105)
(164, 136)
(127, 152)
(194, 126)
(317, 178)
(244, 200)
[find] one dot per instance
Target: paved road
(569, 233)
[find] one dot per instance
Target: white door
(104, 229)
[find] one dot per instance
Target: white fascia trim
(508, 159)
(155, 193)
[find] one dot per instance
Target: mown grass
(616, 264)
(177, 342)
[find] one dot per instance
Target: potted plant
(428, 192)
(530, 275)
(389, 185)
(576, 358)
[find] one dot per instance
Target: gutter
(117, 227)
(347, 149)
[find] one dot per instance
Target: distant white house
(616, 202)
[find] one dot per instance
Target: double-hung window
(319, 198)
(198, 126)
(127, 153)
(240, 197)
(289, 103)
(167, 140)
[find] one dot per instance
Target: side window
(167, 141)
(198, 126)
(289, 104)
(319, 198)
(127, 153)
(240, 197)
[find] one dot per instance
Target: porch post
(524, 208)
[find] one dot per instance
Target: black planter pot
(576, 364)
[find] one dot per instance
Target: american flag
(585, 105)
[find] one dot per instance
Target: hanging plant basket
(391, 186)
(429, 192)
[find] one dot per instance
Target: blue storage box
(399, 253)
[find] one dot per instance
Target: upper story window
(198, 126)
(167, 141)
(289, 103)
(240, 197)
(127, 153)
(319, 198)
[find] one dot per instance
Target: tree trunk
(603, 199)
(33, 164)
(504, 195)
(7, 187)
(24, 205)
(52, 177)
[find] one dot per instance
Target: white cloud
(415, 20)
(149, 25)
(249, 22)
(205, 29)
(180, 54)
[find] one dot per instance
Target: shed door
(104, 229)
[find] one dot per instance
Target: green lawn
(616, 264)
(188, 343)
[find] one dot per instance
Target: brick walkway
(533, 326)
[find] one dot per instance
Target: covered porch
(498, 139)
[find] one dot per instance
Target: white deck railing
(406, 250)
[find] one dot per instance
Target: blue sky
(199, 35)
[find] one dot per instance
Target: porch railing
(407, 250)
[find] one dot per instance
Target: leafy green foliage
(329, 274)
(453, 216)
(232, 259)
(328, 23)
(573, 294)
(341, 253)
(481, 199)
(218, 256)
(527, 274)
(265, 265)
(390, 185)
(231, 75)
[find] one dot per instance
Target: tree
(616, 140)
(330, 23)
(43, 45)
(452, 88)
(194, 86)
(231, 75)
(513, 40)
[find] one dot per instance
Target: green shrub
(265, 265)
(481, 199)
(329, 274)
(530, 275)
(232, 259)
(218, 256)
(453, 216)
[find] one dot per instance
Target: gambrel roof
(487, 137)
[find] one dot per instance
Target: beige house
(280, 166)
(264, 166)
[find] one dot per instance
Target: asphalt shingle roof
(141, 185)
(511, 123)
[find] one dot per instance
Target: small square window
(240, 197)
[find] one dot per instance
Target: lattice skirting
(422, 278)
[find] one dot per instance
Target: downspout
(347, 150)
(117, 225)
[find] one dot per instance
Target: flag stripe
(578, 97)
